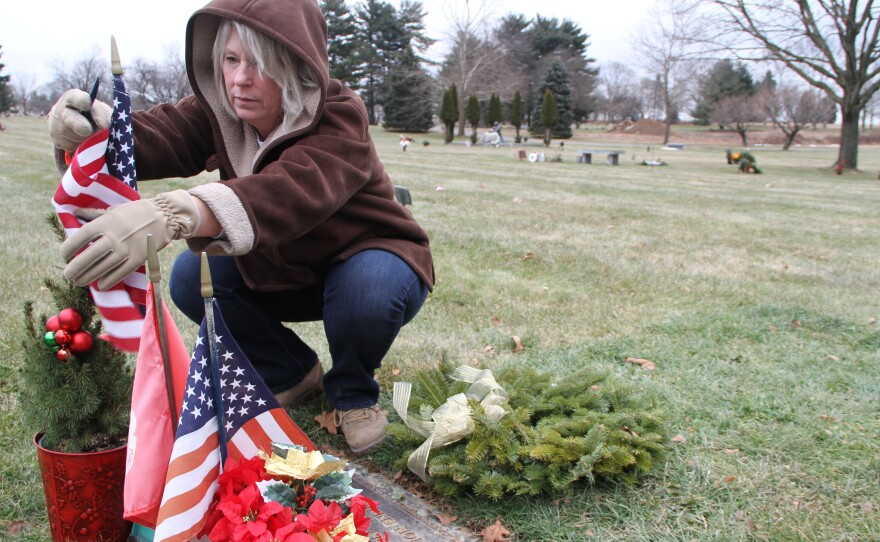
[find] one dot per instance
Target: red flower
(320, 517)
(245, 517)
(292, 532)
(237, 476)
(358, 507)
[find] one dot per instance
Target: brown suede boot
(364, 428)
(310, 387)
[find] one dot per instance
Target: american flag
(252, 418)
(93, 181)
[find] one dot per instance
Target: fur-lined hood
(297, 24)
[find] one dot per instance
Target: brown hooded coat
(307, 197)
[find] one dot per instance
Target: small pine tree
(6, 101)
(494, 113)
(516, 114)
(448, 115)
(81, 404)
(549, 115)
(454, 92)
(473, 114)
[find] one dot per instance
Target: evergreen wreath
(80, 403)
(557, 433)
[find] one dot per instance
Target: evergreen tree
(6, 100)
(549, 115)
(409, 95)
(516, 115)
(449, 114)
(557, 83)
(342, 47)
(387, 37)
(493, 115)
(724, 80)
(80, 400)
(472, 115)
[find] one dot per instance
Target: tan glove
(68, 127)
(119, 237)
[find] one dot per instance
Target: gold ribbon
(453, 420)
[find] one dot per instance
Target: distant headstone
(402, 195)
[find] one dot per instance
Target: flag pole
(207, 290)
(155, 273)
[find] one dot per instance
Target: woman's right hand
(68, 126)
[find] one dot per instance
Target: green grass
(755, 295)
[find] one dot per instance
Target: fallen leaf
(496, 321)
(528, 256)
(740, 515)
(495, 533)
(679, 439)
(589, 532)
(395, 371)
(730, 478)
(15, 528)
(643, 363)
(831, 357)
(750, 525)
(397, 475)
(773, 329)
(444, 518)
(731, 451)
(489, 350)
(872, 320)
(327, 421)
(826, 418)
(796, 323)
(557, 502)
(518, 345)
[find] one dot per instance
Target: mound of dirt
(642, 127)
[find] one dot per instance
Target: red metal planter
(84, 494)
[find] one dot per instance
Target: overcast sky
(35, 34)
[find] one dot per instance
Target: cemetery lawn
(757, 297)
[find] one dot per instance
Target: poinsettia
(288, 496)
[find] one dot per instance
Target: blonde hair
(272, 59)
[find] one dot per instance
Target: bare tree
(618, 94)
(82, 73)
(830, 44)
(669, 45)
(739, 113)
(791, 109)
(24, 87)
(151, 83)
(471, 54)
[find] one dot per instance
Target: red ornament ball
(81, 342)
(62, 337)
(70, 319)
(63, 354)
(52, 324)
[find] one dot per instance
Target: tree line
(693, 57)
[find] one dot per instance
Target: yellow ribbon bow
(453, 420)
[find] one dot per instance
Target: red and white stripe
(195, 466)
(87, 185)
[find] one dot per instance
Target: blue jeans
(363, 302)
